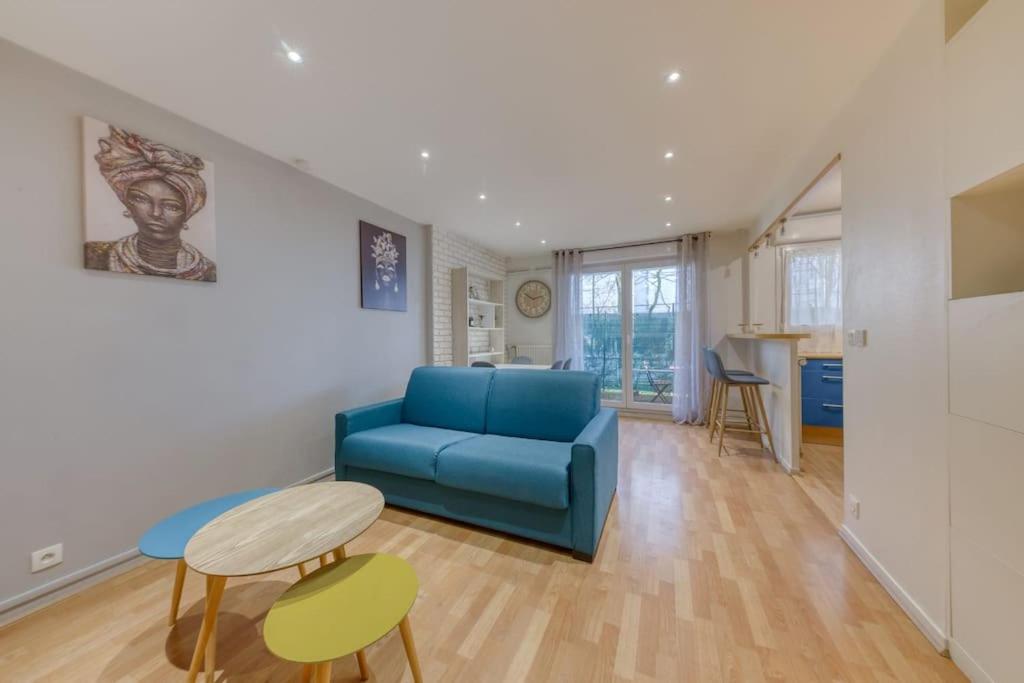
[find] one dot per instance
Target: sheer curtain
(689, 385)
(813, 300)
(568, 277)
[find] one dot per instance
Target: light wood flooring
(821, 478)
(710, 570)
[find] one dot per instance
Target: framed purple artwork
(382, 259)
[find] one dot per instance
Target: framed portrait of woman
(382, 261)
(148, 206)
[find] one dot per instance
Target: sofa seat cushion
(405, 449)
(526, 470)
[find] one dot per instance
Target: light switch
(857, 337)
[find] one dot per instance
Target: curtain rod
(627, 245)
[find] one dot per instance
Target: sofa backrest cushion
(449, 398)
(553, 405)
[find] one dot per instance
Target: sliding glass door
(601, 302)
(652, 332)
(629, 315)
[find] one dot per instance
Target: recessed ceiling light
(295, 56)
(424, 154)
(543, 241)
(673, 77)
(668, 225)
(670, 154)
(668, 198)
(518, 224)
(482, 196)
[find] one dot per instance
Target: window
(813, 296)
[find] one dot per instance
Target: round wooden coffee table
(276, 531)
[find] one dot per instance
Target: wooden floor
(821, 478)
(710, 570)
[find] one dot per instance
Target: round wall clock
(533, 298)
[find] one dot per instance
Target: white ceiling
(556, 109)
(826, 195)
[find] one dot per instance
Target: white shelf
(484, 308)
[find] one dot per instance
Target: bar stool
(755, 415)
(709, 409)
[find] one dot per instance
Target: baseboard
(967, 664)
(23, 604)
(935, 635)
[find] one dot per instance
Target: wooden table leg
(323, 672)
(210, 659)
(179, 583)
(214, 592)
(410, 649)
(364, 666)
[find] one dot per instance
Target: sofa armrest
(360, 419)
(593, 476)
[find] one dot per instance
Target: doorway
(629, 317)
(809, 255)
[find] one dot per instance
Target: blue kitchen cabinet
(822, 391)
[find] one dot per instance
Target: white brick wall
(449, 250)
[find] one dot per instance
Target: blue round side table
(167, 539)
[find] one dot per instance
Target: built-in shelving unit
(987, 241)
(478, 298)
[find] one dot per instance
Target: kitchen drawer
(822, 413)
(826, 386)
(829, 366)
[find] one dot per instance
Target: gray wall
(124, 398)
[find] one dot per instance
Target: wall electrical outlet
(857, 337)
(854, 507)
(45, 558)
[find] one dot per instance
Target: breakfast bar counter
(774, 356)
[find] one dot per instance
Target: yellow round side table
(342, 608)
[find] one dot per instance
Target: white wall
(985, 137)
(125, 398)
(895, 221)
(537, 333)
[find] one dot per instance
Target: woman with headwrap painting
(161, 190)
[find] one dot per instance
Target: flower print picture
(148, 206)
(382, 265)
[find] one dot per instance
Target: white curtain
(813, 301)
(568, 277)
(689, 386)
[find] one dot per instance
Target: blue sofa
(527, 452)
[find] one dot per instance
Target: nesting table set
(339, 609)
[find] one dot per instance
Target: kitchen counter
(774, 356)
(770, 335)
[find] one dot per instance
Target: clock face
(533, 298)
